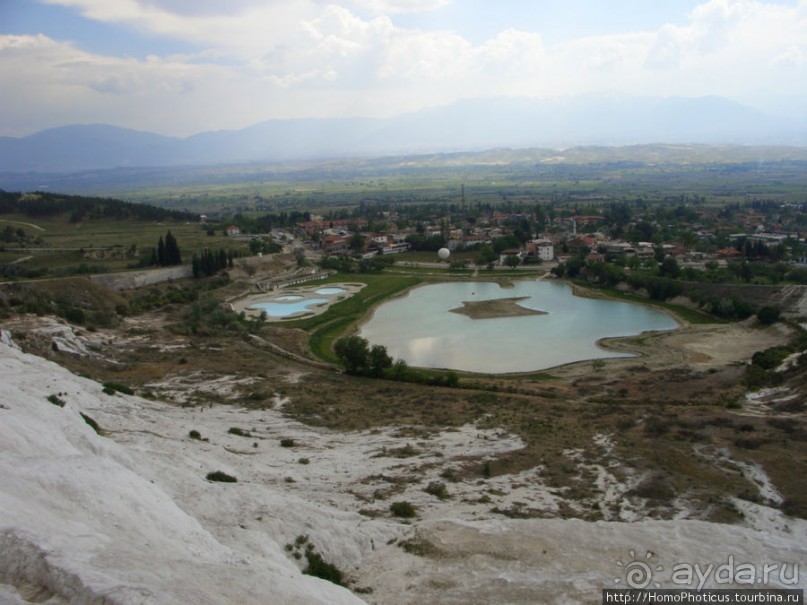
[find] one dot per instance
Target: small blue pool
(288, 308)
(330, 291)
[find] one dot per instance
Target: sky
(179, 67)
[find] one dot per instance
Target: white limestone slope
(82, 521)
(129, 517)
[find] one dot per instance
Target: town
(758, 241)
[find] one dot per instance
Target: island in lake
(495, 308)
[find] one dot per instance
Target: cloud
(296, 58)
(391, 7)
(667, 49)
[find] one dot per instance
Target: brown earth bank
(500, 307)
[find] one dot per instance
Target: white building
(543, 249)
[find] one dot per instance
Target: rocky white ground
(128, 517)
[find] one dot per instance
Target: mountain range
(462, 126)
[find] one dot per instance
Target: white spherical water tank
(444, 253)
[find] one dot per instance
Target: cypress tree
(172, 253)
(161, 253)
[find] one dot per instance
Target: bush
(795, 507)
(240, 432)
(221, 476)
(194, 434)
(749, 443)
(110, 388)
(770, 359)
(656, 426)
(402, 509)
(768, 315)
(654, 487)
(437, 489)
(287, 443)
(56, 400)
(75, 315)
(320, 568)
(93, 424)
(317, 566)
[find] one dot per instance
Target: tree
(768, 315)
(669, 267)
(357, 243)
(167, 253)
(210, 263)
(512, 261)
(485, 255)
(161, 252)
(353, 352)
(172, 253)
(379, 360)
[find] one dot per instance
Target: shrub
(406, 451)
(221, 476)
(768, 315)
(749, 443)
(316, 565)
(110, 388)
(287, 443)
(437, 489)
(487, 469)
(654, 487)
(449, 474)
(656, 426)
(772, 358)
(240, 432)
(75, 315)
(194, 434)
(56, 400)
(795, 507)
(320, 568)
(93, 424)
(402, 509)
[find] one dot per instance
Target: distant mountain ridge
(462, 126)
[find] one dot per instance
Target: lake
(420, 329)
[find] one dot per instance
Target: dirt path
(31, 225)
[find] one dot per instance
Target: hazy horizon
(177, 68)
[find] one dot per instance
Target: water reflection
(420, 329)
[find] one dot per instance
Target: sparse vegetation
(402, 509)
(437, 489)
(316, 565)
(220, 476)
(93, 424)
(110, 388)
(56, 400)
